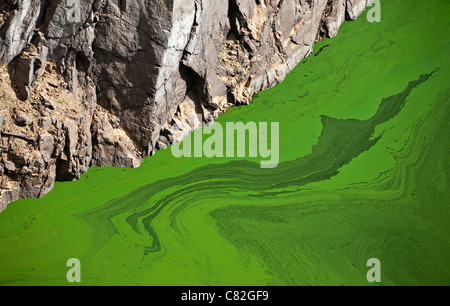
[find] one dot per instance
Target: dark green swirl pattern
(363, 173)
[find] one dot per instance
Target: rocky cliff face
(108, 82)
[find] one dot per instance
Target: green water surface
(363, 173)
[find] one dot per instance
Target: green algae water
(363, 173)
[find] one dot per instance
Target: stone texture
(126, 78)
(336, 17)
(356, 7)
(29, 67)
(2, 119)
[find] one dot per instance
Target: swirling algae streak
(340, 142)
(363, 173)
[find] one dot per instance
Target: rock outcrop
(109, 82)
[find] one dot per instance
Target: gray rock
(9, 166)
(28, 69)
(2, 119)
(336, 18)
(24, 16)
(356, 8)
(22, 119)
(46, 145)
